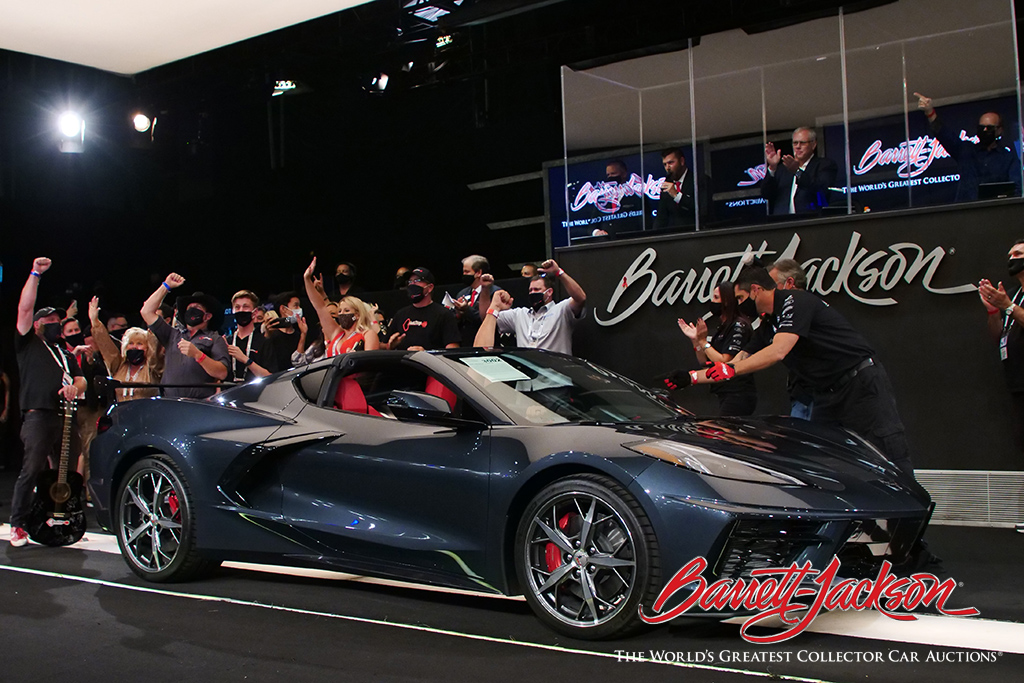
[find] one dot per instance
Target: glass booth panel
(598, 191)
(803, 99)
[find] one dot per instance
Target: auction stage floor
(78, 613)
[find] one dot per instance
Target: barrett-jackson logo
(784, 593)
(859, 273)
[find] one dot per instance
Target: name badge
(1002, 347)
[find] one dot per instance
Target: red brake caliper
(551, 551)
(172, 502)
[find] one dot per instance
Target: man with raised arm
(48, 374)
(544, 324)
(195, 354)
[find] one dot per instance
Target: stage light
(71, 124)
(72, 132)
(407, 67)
(141, 122)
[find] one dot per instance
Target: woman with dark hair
(737, 397)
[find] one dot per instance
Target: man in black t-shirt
(851, 388)
(424, 325)
(48, 374)
(246, 343)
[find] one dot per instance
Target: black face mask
(716, 308)
(75, 339)
(135, 356)
(51, 332)
(1015, 266)
(116, 335)
(342, 279)
(536, 300)
(346, 320)
(748, 308)
(986, 135)
(243, 318)
(194, 317)
(416, 292)
(468, 279)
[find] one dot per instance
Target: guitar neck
(65, 444)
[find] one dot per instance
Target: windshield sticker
(495, 369)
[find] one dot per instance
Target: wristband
(993, 311)
(491, 311)
(36, 273)
(249, 362)
(166, 286)
(561, 272)
(201, 358)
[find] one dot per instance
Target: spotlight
(407, 67)
(70, 124)
(141, 122)
(72, 131)
(377, 84)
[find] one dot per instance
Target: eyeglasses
(802, 142)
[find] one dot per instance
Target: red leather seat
(435, 388)
(350, 397)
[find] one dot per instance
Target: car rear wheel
(586, 557)
(155, 523)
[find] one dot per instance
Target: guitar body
(57, 523)
(57, 516)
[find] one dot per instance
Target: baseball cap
(43, 312)
(422, 274)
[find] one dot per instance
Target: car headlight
(712, 464)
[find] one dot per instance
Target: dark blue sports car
(516, 471)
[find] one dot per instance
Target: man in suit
(797, 182)
(675, 207)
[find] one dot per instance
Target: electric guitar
(57, 516)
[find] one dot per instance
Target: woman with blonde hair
(354, 324)
(132, 361)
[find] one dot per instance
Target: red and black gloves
(719, 372)
(680, 379)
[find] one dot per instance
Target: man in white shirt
(544, 324)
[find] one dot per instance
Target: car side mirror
(413, 404)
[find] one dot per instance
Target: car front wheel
(155, 523)
(586, 557)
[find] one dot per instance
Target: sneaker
(1020, 527)
(18, 537)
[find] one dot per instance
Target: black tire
(587, 580)
(154, 518)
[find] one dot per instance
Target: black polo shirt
(828, 347)
(433, 326)
(41, 371)
(730, 340)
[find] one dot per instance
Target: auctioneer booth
(893, 250)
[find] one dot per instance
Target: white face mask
(297, 312)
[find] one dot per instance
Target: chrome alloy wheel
(581, 559)
(149, 521)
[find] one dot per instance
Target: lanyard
(248, 347)
(1008, 319)
(131, 378)
(61, 360)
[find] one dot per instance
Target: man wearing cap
(48, 374)
(424, 325)
(195, 354)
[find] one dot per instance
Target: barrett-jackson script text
(860, 273)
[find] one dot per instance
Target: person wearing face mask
(48, 374)
(737, 398)
(1006, 323)
(132, 358)
(246, 343)
(282, 332)
(850, 387)
(544, 324)
(348, 326)
(345, 280)
(466, 311)
(619, 207)
(424, 324)
(989, 160)
(195, 353)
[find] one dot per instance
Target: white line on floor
(394, 624)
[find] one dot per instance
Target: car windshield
(534, 387)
